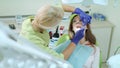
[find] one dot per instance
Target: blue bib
(79, 56)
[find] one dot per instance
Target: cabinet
(103, 32)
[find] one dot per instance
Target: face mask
(76, 29)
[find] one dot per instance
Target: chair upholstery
(62, 39)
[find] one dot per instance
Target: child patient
(86, 53)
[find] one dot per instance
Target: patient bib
(79, 56)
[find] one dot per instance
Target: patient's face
(77, 23)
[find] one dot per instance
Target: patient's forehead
(76, 18)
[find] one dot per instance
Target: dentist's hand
(78, 36)
(86, 19)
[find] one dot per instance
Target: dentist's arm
(68, 8)
(68, 51)
(77, 37)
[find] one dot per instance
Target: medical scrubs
(40, 39)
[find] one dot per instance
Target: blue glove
(86, 19)
(78, 36)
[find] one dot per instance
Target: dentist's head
(48, 16)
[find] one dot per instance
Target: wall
(113, 15)
(21, 7)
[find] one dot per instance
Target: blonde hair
(49, 16)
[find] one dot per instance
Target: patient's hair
(88, 34)
(70, 30)
(49, 16)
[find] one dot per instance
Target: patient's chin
(76, 29)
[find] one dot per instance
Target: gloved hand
(86, 19)
(78, 36)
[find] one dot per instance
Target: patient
(86, 54)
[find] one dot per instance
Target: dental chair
(65, 37)
(62, 39)
(114, 61)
